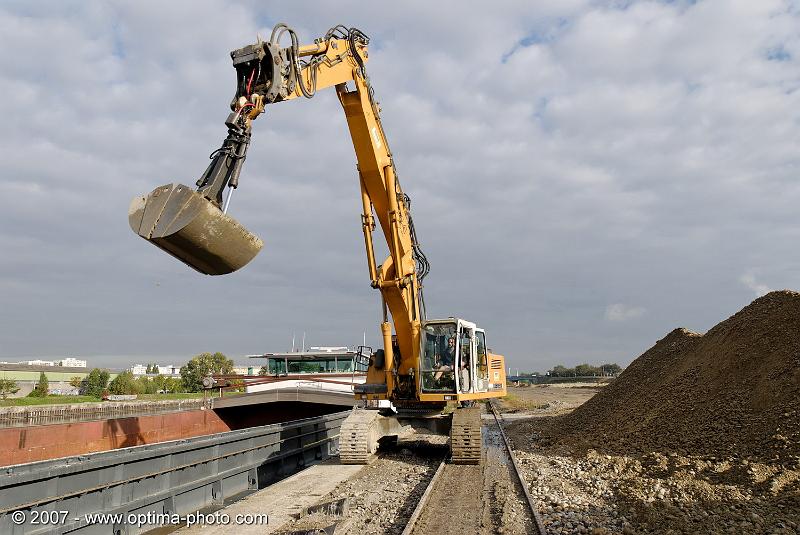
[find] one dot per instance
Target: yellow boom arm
(336, 61)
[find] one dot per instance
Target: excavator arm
(194, 225)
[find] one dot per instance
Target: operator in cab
(447, 358)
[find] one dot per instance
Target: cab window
(437, 368)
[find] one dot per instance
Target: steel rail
(412, 522)
(537, 519)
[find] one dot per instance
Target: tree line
(581, 370)
(192, 374)
(586, 370)
(98, 382)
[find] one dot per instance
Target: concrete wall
(26, 387)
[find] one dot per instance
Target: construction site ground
(699, 435)
(597, 492)
(577, 490)
(382, 496)
(527, 401)
(481, 499)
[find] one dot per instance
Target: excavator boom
(416, 370)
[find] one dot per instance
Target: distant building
(163, 369)
(244, 370)
(38, 362)
(168, 369)
(70, 362)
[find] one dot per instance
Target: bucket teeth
(465, 436)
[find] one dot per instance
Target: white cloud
(749, 280)
(620, 312)
(623, 148)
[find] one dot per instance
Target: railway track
(479, 498)
(434, 496)
(523, 485)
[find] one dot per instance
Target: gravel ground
(607, 492)
(454, 505)
(383, 495)
(580, 490)
(485, 499)
(656, 493)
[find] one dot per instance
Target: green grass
(49, 400)
(56, 400)
(514, 402)
(178, 395)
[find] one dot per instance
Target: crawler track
(465, 436)
(478, 498)
(357, 441)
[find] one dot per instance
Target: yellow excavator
(426, 363)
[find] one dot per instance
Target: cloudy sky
(585, 175)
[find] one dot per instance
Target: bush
(172, 385)
(96, 382)
(8, 386)
(41, 388)
(124, 383)
(146, 385)
(202, 365)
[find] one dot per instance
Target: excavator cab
(438, 364)
(454, 358)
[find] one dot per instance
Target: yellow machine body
(412, 370)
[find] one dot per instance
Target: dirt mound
(733, 391)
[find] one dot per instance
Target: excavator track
(358, 437)
(465, 436)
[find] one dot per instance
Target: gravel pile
(733, 391)
(700, 434)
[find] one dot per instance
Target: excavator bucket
(182, 222)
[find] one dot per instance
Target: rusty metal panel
(178, 477)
